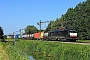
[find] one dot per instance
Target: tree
(1, 33)
(51, 26)
(30, 29)
(5, 36)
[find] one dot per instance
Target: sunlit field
(47, 50)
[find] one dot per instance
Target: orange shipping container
(37, 35)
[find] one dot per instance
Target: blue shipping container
(17, 36)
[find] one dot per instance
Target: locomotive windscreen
(72, 31)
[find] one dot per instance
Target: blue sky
(16, 14)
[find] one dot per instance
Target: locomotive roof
(57, 30)
(64, 29)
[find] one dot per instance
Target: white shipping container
(24, 36)
(45, 34)
(8, 37)
(31, 35)
(14, 36)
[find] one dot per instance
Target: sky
(16, 14)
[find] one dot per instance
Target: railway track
(82, 43)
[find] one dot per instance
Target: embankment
(54, 50)
(45, 50)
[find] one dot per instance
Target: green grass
(55, 50)
(3, 54)
(14, 52)
(45, 50)
(83, 40)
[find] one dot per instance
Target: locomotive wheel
(72, 40)
(68, 40)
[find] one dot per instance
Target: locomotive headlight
(73, 35)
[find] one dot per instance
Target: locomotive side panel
(57, 35)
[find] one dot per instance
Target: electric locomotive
(61, 35)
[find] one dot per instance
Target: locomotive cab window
(72, 31)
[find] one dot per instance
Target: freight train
(55, 35)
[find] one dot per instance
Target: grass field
(3, 54)
(45, 50)
(13, 52)
(55, 50)
(83, 40)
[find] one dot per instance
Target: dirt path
(3, 54)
